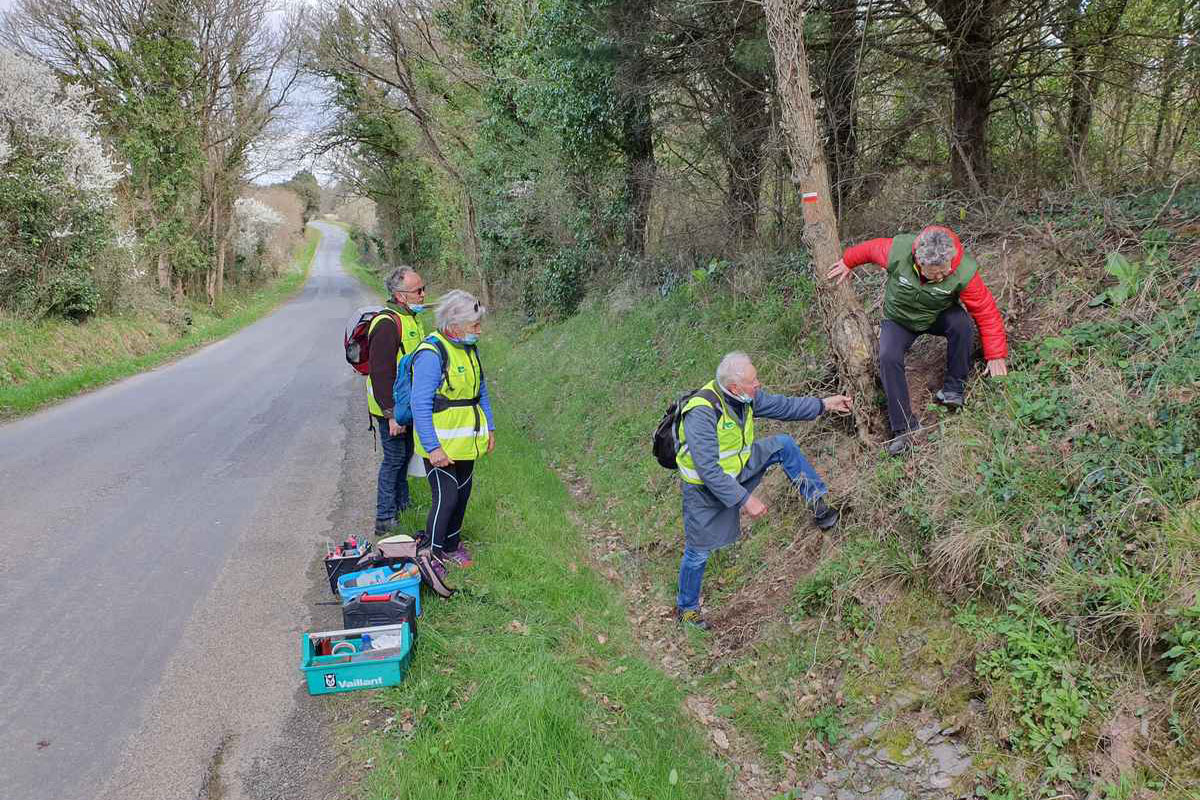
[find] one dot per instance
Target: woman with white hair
(452, 416)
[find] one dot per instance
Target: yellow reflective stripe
(736, 452)
(688, 473)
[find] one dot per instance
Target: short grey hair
(457, 307)
(395, 281)
(935, 248)
(732, 367)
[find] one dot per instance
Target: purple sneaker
(439, 569)
(461, 556)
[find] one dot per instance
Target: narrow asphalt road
(158, 564)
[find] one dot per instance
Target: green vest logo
(727, 424)
(461, 368)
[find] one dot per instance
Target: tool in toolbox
(405, 549)
(344, 558)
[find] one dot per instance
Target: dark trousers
(451, 488)
(391, 496)
(895, 340)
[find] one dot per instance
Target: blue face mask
(416, 308)
(741, 398)
(467, 338)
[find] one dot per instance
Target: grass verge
(528, 682)
(104, 350)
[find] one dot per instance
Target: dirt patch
(663, 643)
(761, 602)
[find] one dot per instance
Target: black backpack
(666, 435)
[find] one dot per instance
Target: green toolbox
(357, 658)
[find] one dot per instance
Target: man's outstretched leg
(805, 479)
(894, 343)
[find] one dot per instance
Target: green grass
(108, 349)
(1073, 482)
(366, 275)
(528, 683)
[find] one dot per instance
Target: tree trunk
(1103, 21)
(1168, 92)
(164, 272)
(471, 238)
(640, 166)
(969, 24)
(850, 333)
(749, 125)
(837, 91)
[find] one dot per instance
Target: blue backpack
(402, 388)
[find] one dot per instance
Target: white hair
(457, 307)
(733, 367)
(395, 281)
(935, 248)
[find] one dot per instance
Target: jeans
(799, 471)
(392, 495)
(894, 342)
(803, 477)
(691, 575)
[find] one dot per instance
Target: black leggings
(451, 487)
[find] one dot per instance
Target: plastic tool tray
(361, 669)
(409, 585)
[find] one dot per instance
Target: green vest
(734, 439)
(458, 419)
(914, 304)
(411, 332)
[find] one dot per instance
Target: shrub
(56, 193)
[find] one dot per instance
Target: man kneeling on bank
(720, 464)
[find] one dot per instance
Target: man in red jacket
(928, 276)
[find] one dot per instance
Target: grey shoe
(692, 618)
(902, 442)
(824, 516)
(949, 399)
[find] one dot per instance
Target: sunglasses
(419, 290)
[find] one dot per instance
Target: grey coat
(710, 512)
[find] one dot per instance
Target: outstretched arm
(982, 306)
(874, 251)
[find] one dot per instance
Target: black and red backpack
(357, 340)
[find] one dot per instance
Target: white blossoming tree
(254, 222)
(56, 193)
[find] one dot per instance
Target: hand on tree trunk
(839, 272)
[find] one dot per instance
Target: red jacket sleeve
(982, 306)
(874, 251)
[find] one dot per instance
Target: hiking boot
(824, 515)
(951, 400)
(461, 556)
(902, 442)
(383, 527)
(694, 619)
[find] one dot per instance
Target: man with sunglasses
(391, 335)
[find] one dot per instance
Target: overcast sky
(279, 161)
